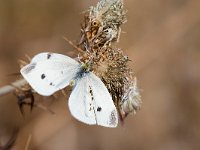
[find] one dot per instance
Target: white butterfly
(89, 102)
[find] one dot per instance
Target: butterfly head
(83, 71)
(85, 67)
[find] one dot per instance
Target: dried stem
(9, 88)
(28, 142)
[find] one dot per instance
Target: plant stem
(9, 88)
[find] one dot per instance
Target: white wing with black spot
(51, 56)
(80, 102)
(91, 103)
(105, 110)
(48, 74)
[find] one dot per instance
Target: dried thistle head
(100, 29)
(119, 80)
(102, 24)
(111, 12)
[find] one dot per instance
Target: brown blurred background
(162, 37)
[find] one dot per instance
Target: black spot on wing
(99, 109)
(52, 84)
(43, 76)
(29, 68)
(91, 93)
(49, 55)
(90, 108)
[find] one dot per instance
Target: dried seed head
(109, 11)
(100, 29)
(102, 24)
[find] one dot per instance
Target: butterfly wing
(91, 103)
(80, 102)
(50, 75)
(51, 56)
(105, 110)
